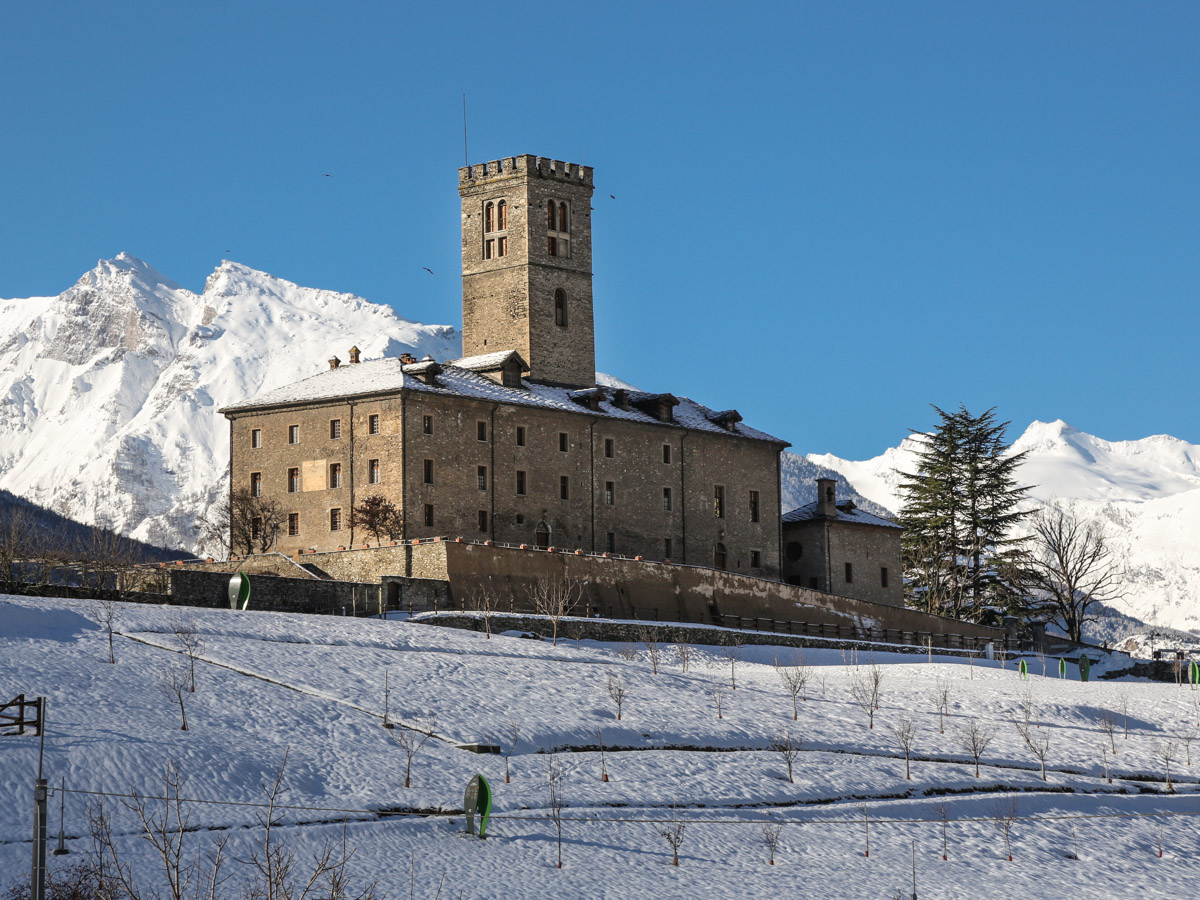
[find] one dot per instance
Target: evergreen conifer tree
(960, 507)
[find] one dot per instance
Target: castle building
(515, 442)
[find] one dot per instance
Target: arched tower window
(563, 224)
(719, 556)
(558, 228)
(489, 217)
(550, 215)
(502, 216)
(495, 229)
(560, 307)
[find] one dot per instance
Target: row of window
(293, 432)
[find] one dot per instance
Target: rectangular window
(563, 442)
(256, 439)
(552, 246)
(502, 246)
(293, 524)
(335, 475)
(755, 559)
(610, 493)
(667, 453)
(564, 487)
(481, 430)
(256, 528)
(373, 475)
(666, 548)
(372, 424)
(667, 499)
(293, 434)
(293, 480)
(812, 583)
(483, 521)
(754, 506)
(718, 501)
(427, 424)
(335, 520)
(520, 435)
(428, 471)
(883, 576)
(520, 482)
(481, 476)
(610, 542)
(849, 573)
(489, 249)
(256, 484)
(608, 448)
(429, 515)
(335, 429)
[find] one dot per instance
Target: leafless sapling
(866, 688)
(575, 631)
(1027, 706)
(1185, 736)
(718, 695)
(1158, 837)
(556, 598)
(770, 838)
(187, 636)
(554, 784)
(975, 738)
(410, 741)
(822, 677)
(1074, 842)
(616, 691)
(683, 650)
(1038, 742)
(1108, 725)
(940, 695)
(107, 613)
(788, 746)
(485, 601)
(1004, 815)
(174, 684)
(649, 638)
(944, 811)
(1123, 705)
(508, 744)
(1104, 762)
(600, 744)
(672, 833)
(733, 651)
(866, 831)
(1165, 752)
(905, 733)
(795, 680)
(627, 651)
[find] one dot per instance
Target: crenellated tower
(527, 265)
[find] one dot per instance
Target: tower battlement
(526, 164)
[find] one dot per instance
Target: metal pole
(914, 860)
(62, 850)
(38, 882)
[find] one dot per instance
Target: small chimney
(334, 363)
(827, 497)
(354, 351)
(407, 358)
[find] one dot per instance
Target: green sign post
(1085, 666)
(239, 591)
(1062, 668)
(478, 798)
(1194, 674)
(1024, 669)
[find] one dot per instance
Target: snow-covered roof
(489, 362)
(389, 376)
(846, 512)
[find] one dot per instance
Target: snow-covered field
(314, 687)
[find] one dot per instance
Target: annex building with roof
(515, 442)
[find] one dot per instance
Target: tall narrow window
(293, 524)
(372, 424)
(558, 227)
(501, 216)
(481, 477)
(520, 482)
(427, 424)
(335, 475)
(667, 499)
(666, 548)
(560, 307)
(481, 430)
(256, 527)
(883, 582)
(335, 520)
(429, 515)
(564, 442)
(520, 435)
(293, 434)
(609, 448)
(335, 429)
(550, 210)
(563, 224)
(256, 439)
(719, 556)
(610, 542)
(489, 248)
(489, 217)
(256, 484)
(483, 521)
(755, 559)
(754, 506)
(564, 487)
(849, 573)
(610, 493)
(718, 501)
(293, 480)
(667, 453)
(373, 471)
(428, 471)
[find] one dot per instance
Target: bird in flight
(326, 175)
(427, 269)
(614, 196)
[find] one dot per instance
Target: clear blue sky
(828, 215)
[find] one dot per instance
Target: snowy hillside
(314, 686)
(1147, 492)
(109, 392)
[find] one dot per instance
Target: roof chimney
(354, 351)
(407, 358)
(334, 363)
(826, 497)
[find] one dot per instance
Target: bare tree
(174, 683)
(733, 651)
(187, 636)
(555, 598)
(1185, 736)
(718, 695)
(770, 838)
(1027, 706)
(107, 613)
(1123, 706)
(1165, 752)
(554, 782)
(905, 733)
(822, 677)
(1038, 742)
(1072, 568)
(944, 811)
(1004, 813)
(509, 741)
(411, 740)
(672, 833)
(241, 524)
(649, 638)
(975, 739)
(627, 651)
(616, 691)
(1108, 725)
(795, 680)
(788, 746)
(485, 601)
(378, 517)
(1104, 762)
(940, 695)
(600, 744)
(866, 688)
(684, 651)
